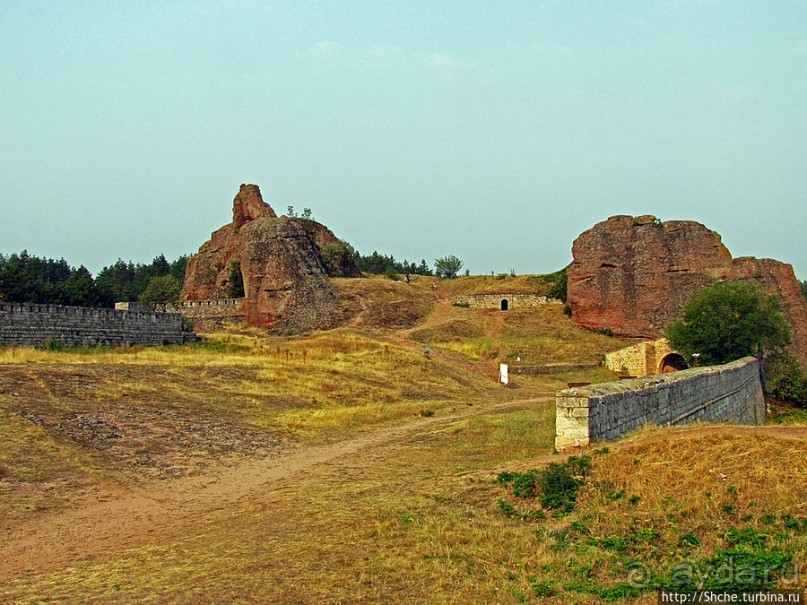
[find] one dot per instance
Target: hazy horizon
(417, 129)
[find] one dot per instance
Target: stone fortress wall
(727, 393)
(211, 314)
(643, 359)
(495, 301)
(204, 314)
(37, 325)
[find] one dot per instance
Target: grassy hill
(347, 466)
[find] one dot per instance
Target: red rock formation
(634, 276)
(248, 205)
(285, 263)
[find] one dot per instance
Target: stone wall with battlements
(211, 314)
(38, 325)
(514, 301)
(601, 412)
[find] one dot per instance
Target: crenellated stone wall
(37, 325)
(514, 301)
(211, 314)
(727, 393)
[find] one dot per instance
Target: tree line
(26, 278)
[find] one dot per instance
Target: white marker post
(503, 374)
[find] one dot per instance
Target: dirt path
(135, 516)
(441, 310)
(495, 333)
(131, 517)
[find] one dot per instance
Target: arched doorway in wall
(672, 362)
(505, 304)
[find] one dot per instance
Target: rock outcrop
(248, 205)
(633, 275)
(284, 262)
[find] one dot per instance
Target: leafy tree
(786, 379)
(116, 283)
(161, 291)
(80, 290)
(178, 268)
(235, 288)
(376, 263)
(727, 321)
(559, 288)
(125, 280)
(338, 258)
(26, 278)
(448, 266)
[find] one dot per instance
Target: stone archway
(505, 304)
(672, 362)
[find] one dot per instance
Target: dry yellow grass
(417, 521)
(411, 517)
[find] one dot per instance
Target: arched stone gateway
(672, 362)
(505, 304)
(645, 359)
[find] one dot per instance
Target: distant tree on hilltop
(447, 266)
(381, 264)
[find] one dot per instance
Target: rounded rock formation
(634, 275)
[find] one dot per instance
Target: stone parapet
(37, 325)
(727, 393)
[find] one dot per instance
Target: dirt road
(128, 517)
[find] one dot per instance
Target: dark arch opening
(672, 362)
(505, 304)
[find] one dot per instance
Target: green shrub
(523, 484)
(558, 483)
(786, 379)
(558, 487)
(542, 588)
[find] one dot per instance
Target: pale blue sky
(497, 131)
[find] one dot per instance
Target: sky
(496, 131)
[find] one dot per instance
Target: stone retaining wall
(514, 301)
(727, 393)
(37, 325)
